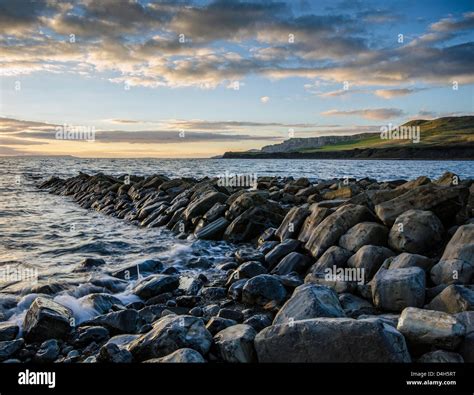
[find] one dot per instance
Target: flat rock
(156, 285)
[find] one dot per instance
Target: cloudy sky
(197, 78)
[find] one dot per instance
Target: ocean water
(49, 235)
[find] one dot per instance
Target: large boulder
(213, 230)
(171, 333)
(292, 222)
(393, 290)
(328, 232)
(117, 322)
(369, 259)
(453, 299)
(156, 285)
(293, 262)
(457, 263)
(431, 327)
(331, 340)
(310, 301)
(262, 289)
(273, 257)
(46, 319)
(333, 257)
(235, 343)
(445, 202)
(365, 233)
(409, 260)
(417, 232)
(183, 355)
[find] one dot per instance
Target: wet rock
(145, 267)
(328, 232)
(46, 319)
(262, 289)
(280, 251)
(172, 333)
(118, 322)
(214, 230)
(369, 259)
(248, 254)
(393, 290)
(156, 285)
(457, 263)
(293, 262)
(217, 324)
(292, 223)
(8, 331)
(441, 356)
(417, 232)
(231, 314)
(267, 235)
(213, 293)
(235, 344)
(364, 233)
(235, 290)
(9, 348)
(201, 205)
(446, 203)
(89, 334)
(102, 303)
(318, 214)
(431, 327)
(310, 301)
(333, 256)
(190, 285)
(354, 306)
(453, 299)
(112, 353)
(48, 351)
(91, 263)
(246, 270)
(183, 355)
(329, 340)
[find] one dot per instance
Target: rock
(262, 289)
(458, 257)
(246, 254)
(213, 293)
(258, 322)
(117, 322)
(416, 231)
(430, 327)
(183, 355)
(354, 306)
(102, 303)
(8, 331)
(217, 324)
(448, 179)
(293, 262)
(409, 260)
(328, 340)
(112, 353)
(466, 348)
(246, 270)
(204, 203)
(310, 301)
(393, 290)
(89, 334)
(280, 251)
(369, 259)
(214, 230)
(231, 314)
(235, 344)
(169, 334)
(46, 319)
(445, 202)
(440, 356)
(131, 272)
(453, 299)
(364, 233)
(235, 290)
(422, 180)
(266, 236)
(156, 285)
(333, 256)
(328, 232)
(190, 285)
(10, 348)
(48, 351)
(292, 223)
(318, 214)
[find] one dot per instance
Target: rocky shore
(330, 271)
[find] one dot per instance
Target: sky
(139, 78)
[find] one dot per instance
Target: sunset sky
(198, 78)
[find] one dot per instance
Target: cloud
(264, 99)
(391, 93)
(378, 114)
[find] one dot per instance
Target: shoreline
(313, 261)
